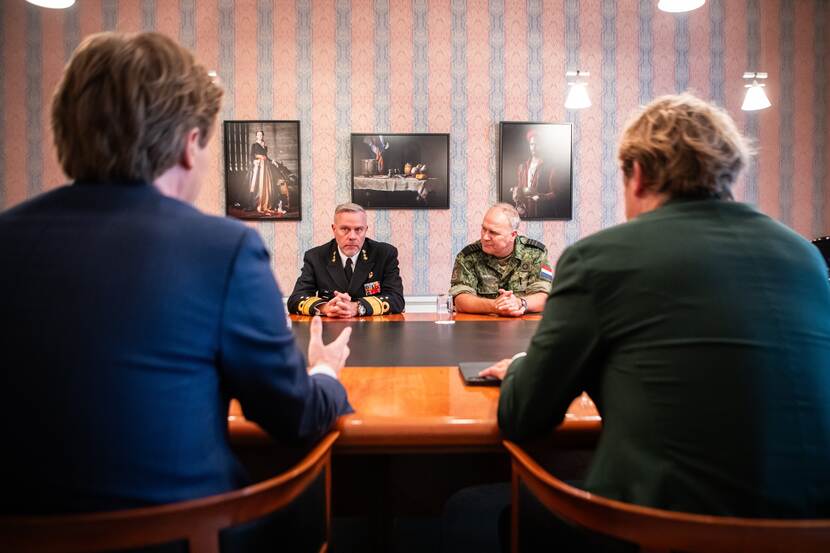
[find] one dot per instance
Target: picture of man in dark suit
(535, 169)
(534, 192)
(351, 275)
(130, 318)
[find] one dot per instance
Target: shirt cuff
(520, 354)
(323, 368)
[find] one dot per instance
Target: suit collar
(364, 266)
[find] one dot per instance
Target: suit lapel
(365, 264)
(335, 269)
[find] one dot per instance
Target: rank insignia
(372, 288)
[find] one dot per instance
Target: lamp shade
(755, 98)
(678, 6)
(577, 96)
(54, 4)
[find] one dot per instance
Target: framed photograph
(262, 169)
(535, 169)
(401, 171)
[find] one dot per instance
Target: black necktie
(349, 270)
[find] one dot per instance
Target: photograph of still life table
(404, 171)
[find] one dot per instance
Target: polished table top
(394, 342)
(403, 406)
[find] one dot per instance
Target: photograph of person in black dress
(262, 169)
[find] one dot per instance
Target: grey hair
(510, 212)
(349, 207)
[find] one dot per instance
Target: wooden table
(412, 408)
(428, 408)
(418, 434)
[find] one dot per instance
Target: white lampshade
(54, 4)
(678, 6)
(755, 98)
(577, 96)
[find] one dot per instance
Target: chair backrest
(823, 245)
(656, 529)
(198, 521)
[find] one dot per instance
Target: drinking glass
(443, 309)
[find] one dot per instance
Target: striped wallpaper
(457, 66)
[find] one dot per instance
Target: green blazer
(702, 331)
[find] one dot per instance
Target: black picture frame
(263, 183)
(379, 164)
(548, 194)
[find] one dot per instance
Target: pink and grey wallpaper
(452, 66)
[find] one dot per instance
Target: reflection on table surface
(421, 342)
(421, 317)
(423, 408)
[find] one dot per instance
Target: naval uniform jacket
(376, 281)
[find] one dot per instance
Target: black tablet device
(469, 372)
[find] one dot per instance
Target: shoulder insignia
(470, 248)
(533, 243)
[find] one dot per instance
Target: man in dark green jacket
(700, 327)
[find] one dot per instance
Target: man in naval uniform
(351, 276)
(503, 273)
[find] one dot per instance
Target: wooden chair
(823, 245)
(198, 521)
(657, 530)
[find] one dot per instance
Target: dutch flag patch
(546, 273)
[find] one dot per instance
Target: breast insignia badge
(372, 288)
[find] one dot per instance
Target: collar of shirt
(343, 258)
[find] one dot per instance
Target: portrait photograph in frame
(535, 169)
(262, 170)
(401, 170)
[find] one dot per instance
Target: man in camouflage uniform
(503, 273)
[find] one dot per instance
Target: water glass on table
(443, 309)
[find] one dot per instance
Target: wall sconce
(54, 4)
(679, 6)
(578, 93)
(755, 98)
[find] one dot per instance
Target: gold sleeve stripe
(305, 306)
(375, 304)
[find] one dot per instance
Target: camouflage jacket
(526, 271)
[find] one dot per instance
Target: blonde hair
(685, 147)
(125, 104)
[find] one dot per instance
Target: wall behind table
(458, 67)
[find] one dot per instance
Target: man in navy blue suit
(129, 318)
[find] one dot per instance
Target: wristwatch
(524, 303)
(361, 310)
